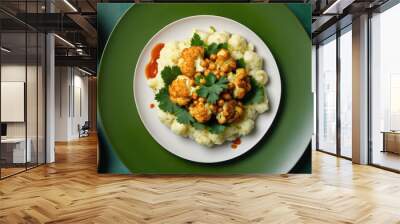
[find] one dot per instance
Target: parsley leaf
(240, 63)
(210, 79)
(212, 88)
(256, 94)
(214, 48)
(197, 79)
(196, 40)
(168, 74)
(199, 126)
(165, 104)
(183, 116)
(216, 128)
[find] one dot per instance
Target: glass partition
(15, 151)
(22, 78)
(327, 96)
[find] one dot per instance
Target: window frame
(334, 37)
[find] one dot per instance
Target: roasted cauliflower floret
(200, 111)
(187, 62)
(179, 90)
(241, 83)
(230, 111)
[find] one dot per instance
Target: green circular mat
(280, 148)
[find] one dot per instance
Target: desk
(391, 141)
(15, 148)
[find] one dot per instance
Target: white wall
(16, 73)
(71, 102)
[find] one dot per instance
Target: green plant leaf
(256, 94)
(216, 128)
(183, 116)
(240, 63)
(212, 88)
(165, 103)
(169, 74)
(210, 79)
(199, 126)
(197, 79)
(196, 40)
(214, 48)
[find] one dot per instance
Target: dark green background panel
(122, 127)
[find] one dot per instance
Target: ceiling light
(84, 71)
(65, 41)
(5, 50)
(70, 5)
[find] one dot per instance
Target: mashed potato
(239, 48)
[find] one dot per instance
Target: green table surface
(121, 130)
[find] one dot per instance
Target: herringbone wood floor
(70, 191)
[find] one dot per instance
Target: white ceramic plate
(184, 147)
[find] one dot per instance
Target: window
(346, 92)
(327, 96)
(385, 89)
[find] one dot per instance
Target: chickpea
(197, 74)
(240, 92)
(231, 85)
(232, 64)
(225, 113)
(201, 100)
(219, 109)
(221, 102)
(221, 120)
(204, 63)
(223, 53)
(206, 72)
(202, 81)
(226, 96)
(212, 66)
(240, 71)
(213, 57)
(194, 96)
(239, 109)
(225, 67)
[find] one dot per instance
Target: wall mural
(204, 88)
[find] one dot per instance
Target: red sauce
(236, 143)
(151, 67)
(151, 105)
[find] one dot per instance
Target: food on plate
(209, 87)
